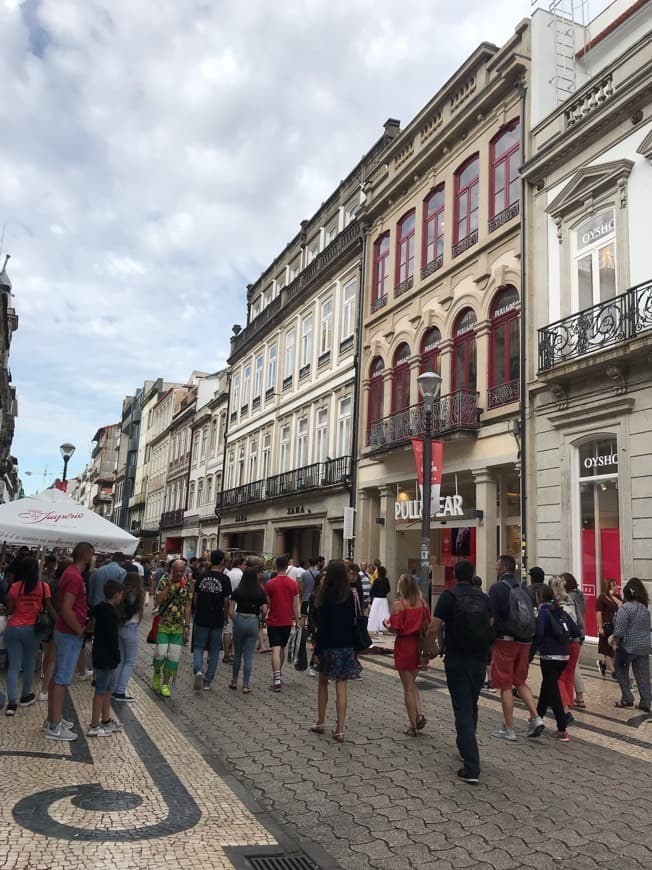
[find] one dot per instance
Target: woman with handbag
(409, 617)
(335, 657)
(606, 608)
(49, 651)
(29, 607)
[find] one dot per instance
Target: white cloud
(157, 154)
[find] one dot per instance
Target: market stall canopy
(53, 519)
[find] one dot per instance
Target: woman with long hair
(606, 608)
(48, 649)
(379, 608)
(248, 603)
(631, 641)
(409, 617)
(26, 598)
(567, 677)
(577, 597)
(130, 612)
(335, 657)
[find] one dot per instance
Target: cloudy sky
(156, 155)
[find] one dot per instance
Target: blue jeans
(205, 636)
(245, 636)
(68, 647)
(128, 652)
(465, 676)
(22, 646)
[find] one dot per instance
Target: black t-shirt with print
(210, 594)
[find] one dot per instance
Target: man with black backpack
(466, 614)
(514, 623)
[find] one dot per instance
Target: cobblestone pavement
(385, 800)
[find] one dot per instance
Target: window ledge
(346, 344)
(304, 372)
(324, 359)
(287, 382)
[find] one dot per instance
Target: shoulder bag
(361, 638)
(43, 626)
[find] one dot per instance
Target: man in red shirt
(284, 606)
(68, 639)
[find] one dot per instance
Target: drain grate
(281, 862)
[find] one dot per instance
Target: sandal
(233, 685)
(339, 736)
(421, 722)
(317, 728)
(580, 704)
(411, 732)
(246, 690)
(623, 704)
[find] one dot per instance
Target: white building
(590, 297)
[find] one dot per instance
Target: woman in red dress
(408, 618)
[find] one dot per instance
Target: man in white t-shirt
(234, 573)
(294, 571)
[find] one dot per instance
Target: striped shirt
(632, 628)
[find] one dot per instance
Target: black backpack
(470, 629)
(560, 624)
(521, 623)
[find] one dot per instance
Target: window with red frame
(405, 248)
(505, 157)
(401, 388)
(430, 350)
(381, 272)
(433, 226)
(464, 354)
(467, 204)
(505, 347)
(376, 391)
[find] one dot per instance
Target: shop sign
(600, 461)
(445, 506)
(241, 518)
(596, 228)
(298, 509)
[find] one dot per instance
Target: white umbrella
(53, 519)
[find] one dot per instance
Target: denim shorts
(103, 680)
(68, 648)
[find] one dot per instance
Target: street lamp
(429, 387)
(66, 451)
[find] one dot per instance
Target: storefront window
(599, 520)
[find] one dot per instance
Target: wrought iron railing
(404, 286)
(465, 243)
(600, 327)
(169, 519)
(503, 394)
(432, 266)
(455, 412)
(378, 303)
(333, 472)
(502, 217)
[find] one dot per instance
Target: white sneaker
(504, 733)
(42, 696)
(535, 727)
(113, 726)
(198, 681)
(66, 724)
(312, 672)
(99, 731)
(58, 732)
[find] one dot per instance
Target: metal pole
(66, 460)
(425, 502)
(522, 90)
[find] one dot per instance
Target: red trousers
(567, 678)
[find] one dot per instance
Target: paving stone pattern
(385, 800)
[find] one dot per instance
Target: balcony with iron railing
(457, 412)
(170, 519)
(503, 394)
(320, 475)
(605, 326)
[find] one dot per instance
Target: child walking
(106, 658)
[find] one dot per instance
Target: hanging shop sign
(445, 506)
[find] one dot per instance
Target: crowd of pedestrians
(232, 607)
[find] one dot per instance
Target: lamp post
(429, 387)
(66, 451)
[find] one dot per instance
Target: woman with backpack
(631, 641)
(131, 613)
(567, 679)
(408, 621)
(554, 630)
(577, 598)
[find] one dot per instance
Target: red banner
(436, 464)
(61, 484)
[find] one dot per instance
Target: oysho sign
(600, 461)
(445, 506)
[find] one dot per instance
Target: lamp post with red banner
(429, 387)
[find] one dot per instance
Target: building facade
(590, 303)
(200, 528)
(442, 293)
(97, 480)
(9, 483)
(287, 479)
(178, 468)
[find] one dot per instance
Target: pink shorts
(509, 664)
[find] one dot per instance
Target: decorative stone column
(363, 420)
(415, 364)
(446, 365)
(387, 548)
(388, 383)
(482, 336)
(486, 491)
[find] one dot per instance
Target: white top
(235, 576)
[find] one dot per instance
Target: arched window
(504, 352)
(381, 273)
(504, 157)
(200, 493)
(433, 231)
(401, 387)
(464, 355)
(405, 251)
(209, 489)
(376, 410)
(467, 204)
(430, 350)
